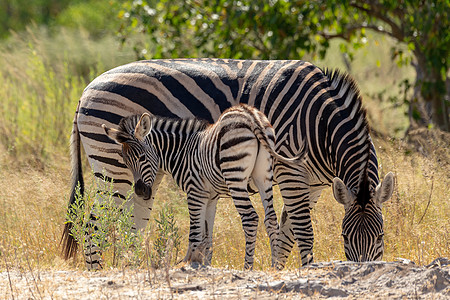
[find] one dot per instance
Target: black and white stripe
(302, 102)
(207, 161)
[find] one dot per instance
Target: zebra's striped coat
(207, 161)
(302, 102)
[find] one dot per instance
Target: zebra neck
(175, 150)
(351, 154)
(357, 163)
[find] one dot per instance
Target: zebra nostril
(139, 187)
(143, 190)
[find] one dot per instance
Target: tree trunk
(431, 97)
(440, 110)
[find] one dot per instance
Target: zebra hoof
(96, 266)
(248, 267)
(196, 265)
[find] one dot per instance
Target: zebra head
(139, 155)
(362, 226)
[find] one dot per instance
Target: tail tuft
(69, 244)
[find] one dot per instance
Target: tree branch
(350, 30)
(376, 10)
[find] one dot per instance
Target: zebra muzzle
(142, 190)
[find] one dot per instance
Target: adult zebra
(302, 102)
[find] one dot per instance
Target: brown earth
(345, 280)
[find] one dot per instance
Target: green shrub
(99, 17)
(118, 242)
(167, 242)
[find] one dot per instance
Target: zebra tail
(69, 244)
(264, 140)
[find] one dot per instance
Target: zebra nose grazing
(142, 190)
(363, 258)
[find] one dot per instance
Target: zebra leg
(295, 222)
(237, 182)
(143, 208)
(209, 227)
(263, 178)
(285, 239)
(197, 203)
(249, 219)
(140, 217)
(92, 252)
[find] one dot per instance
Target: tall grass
(33, 204)
(418, 215)
(36, 106)
(42, 76)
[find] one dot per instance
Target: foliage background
(281, 29)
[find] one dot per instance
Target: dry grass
(417, 218)
(32, 206)
(33, 203)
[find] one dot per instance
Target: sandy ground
(374, 280)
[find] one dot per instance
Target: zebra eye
(142, 158)
(345, 238)
(380, 238)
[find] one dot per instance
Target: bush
(113, 222)
(167, 242)
(98, 17)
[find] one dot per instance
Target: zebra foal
(207, 162)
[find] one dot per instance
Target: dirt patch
(385, 280)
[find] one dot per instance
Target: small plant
(114, 236)
(167, 239)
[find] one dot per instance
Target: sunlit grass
(31, 212)
(417, 221)
(33, 204)
(42, 77)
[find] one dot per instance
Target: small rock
(405, 261)
(236, 277)
(439, 262)
(349, 281)
(188, 287)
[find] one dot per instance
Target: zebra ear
(112, 134)
(143, 127)
(341, 192)
(384, 190)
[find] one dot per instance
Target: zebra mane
(339, 80)
(126, 128)
(128, 124)
(176, 124)
(364, 193)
